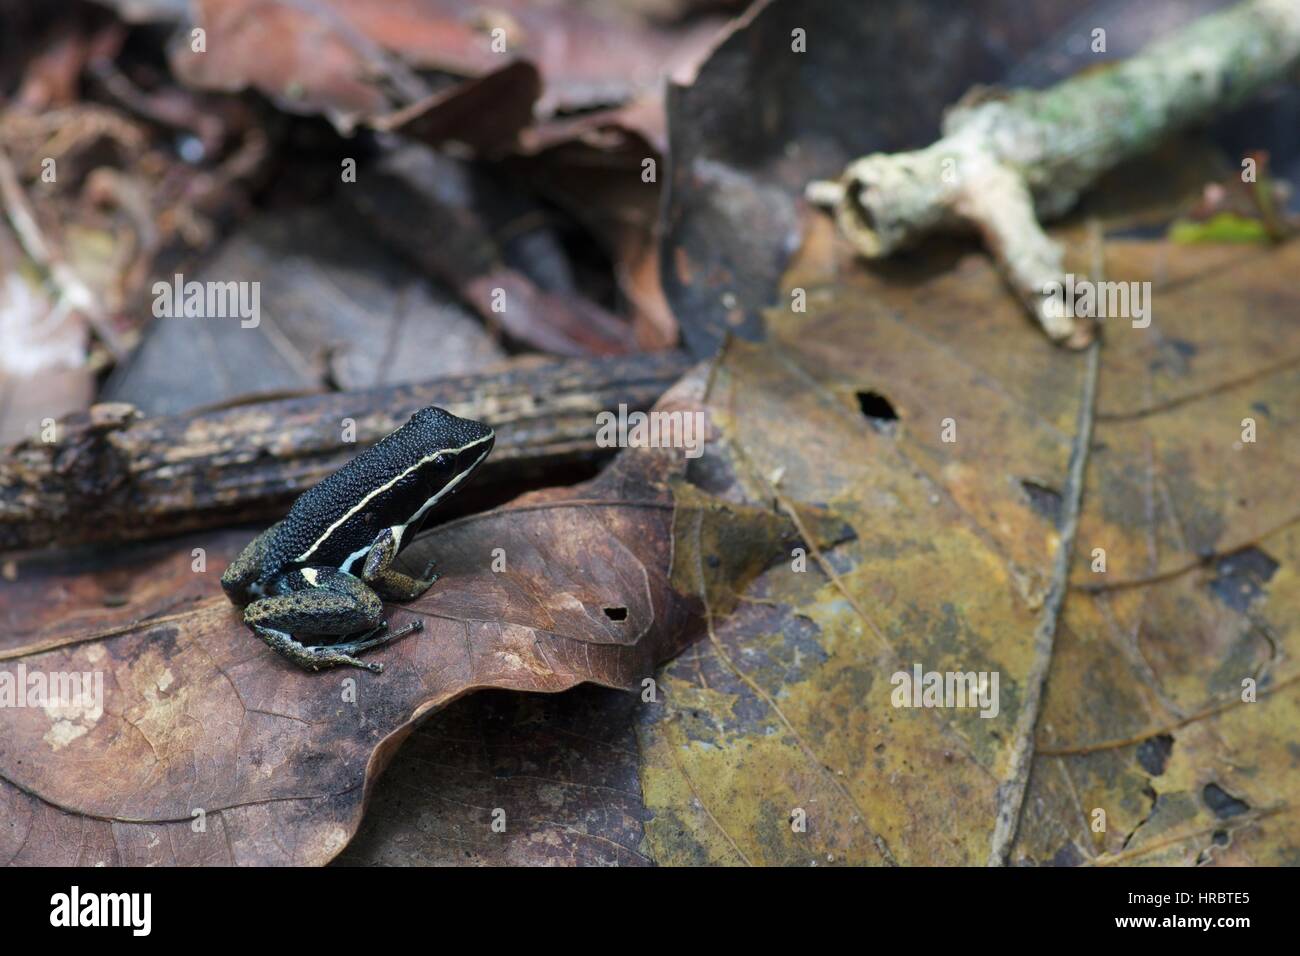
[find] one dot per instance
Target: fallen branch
(112, 475)
(1002, 159)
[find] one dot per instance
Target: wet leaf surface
(758, 757)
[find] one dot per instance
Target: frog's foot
(396, 586)
(377, 637)
(243, 571)
(390, 583)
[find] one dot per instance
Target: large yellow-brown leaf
(785, 713)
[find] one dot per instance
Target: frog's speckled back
(333, 523)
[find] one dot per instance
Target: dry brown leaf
(357, 58)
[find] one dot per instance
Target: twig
(1004, 158)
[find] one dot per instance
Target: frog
(325, 569)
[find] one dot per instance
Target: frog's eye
(439, 467)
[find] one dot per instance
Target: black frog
(323, 570)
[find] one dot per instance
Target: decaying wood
(1004, 158)
(112, 475)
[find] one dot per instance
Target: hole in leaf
(616, 613)
(1240, 577)
(879, 411)
(1154, 753)
(1046, 501)
(1223, 804)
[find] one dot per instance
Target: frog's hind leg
(328, 655)
(323, 601)
(391, 583)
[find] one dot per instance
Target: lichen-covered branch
(1007, 161)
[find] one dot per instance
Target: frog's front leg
(325, 602)
(391, 583)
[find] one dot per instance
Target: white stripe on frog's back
(360, 505)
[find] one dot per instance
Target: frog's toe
(329, 657)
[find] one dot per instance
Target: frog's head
(461, 445)
(435, 427)
(422, 462)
